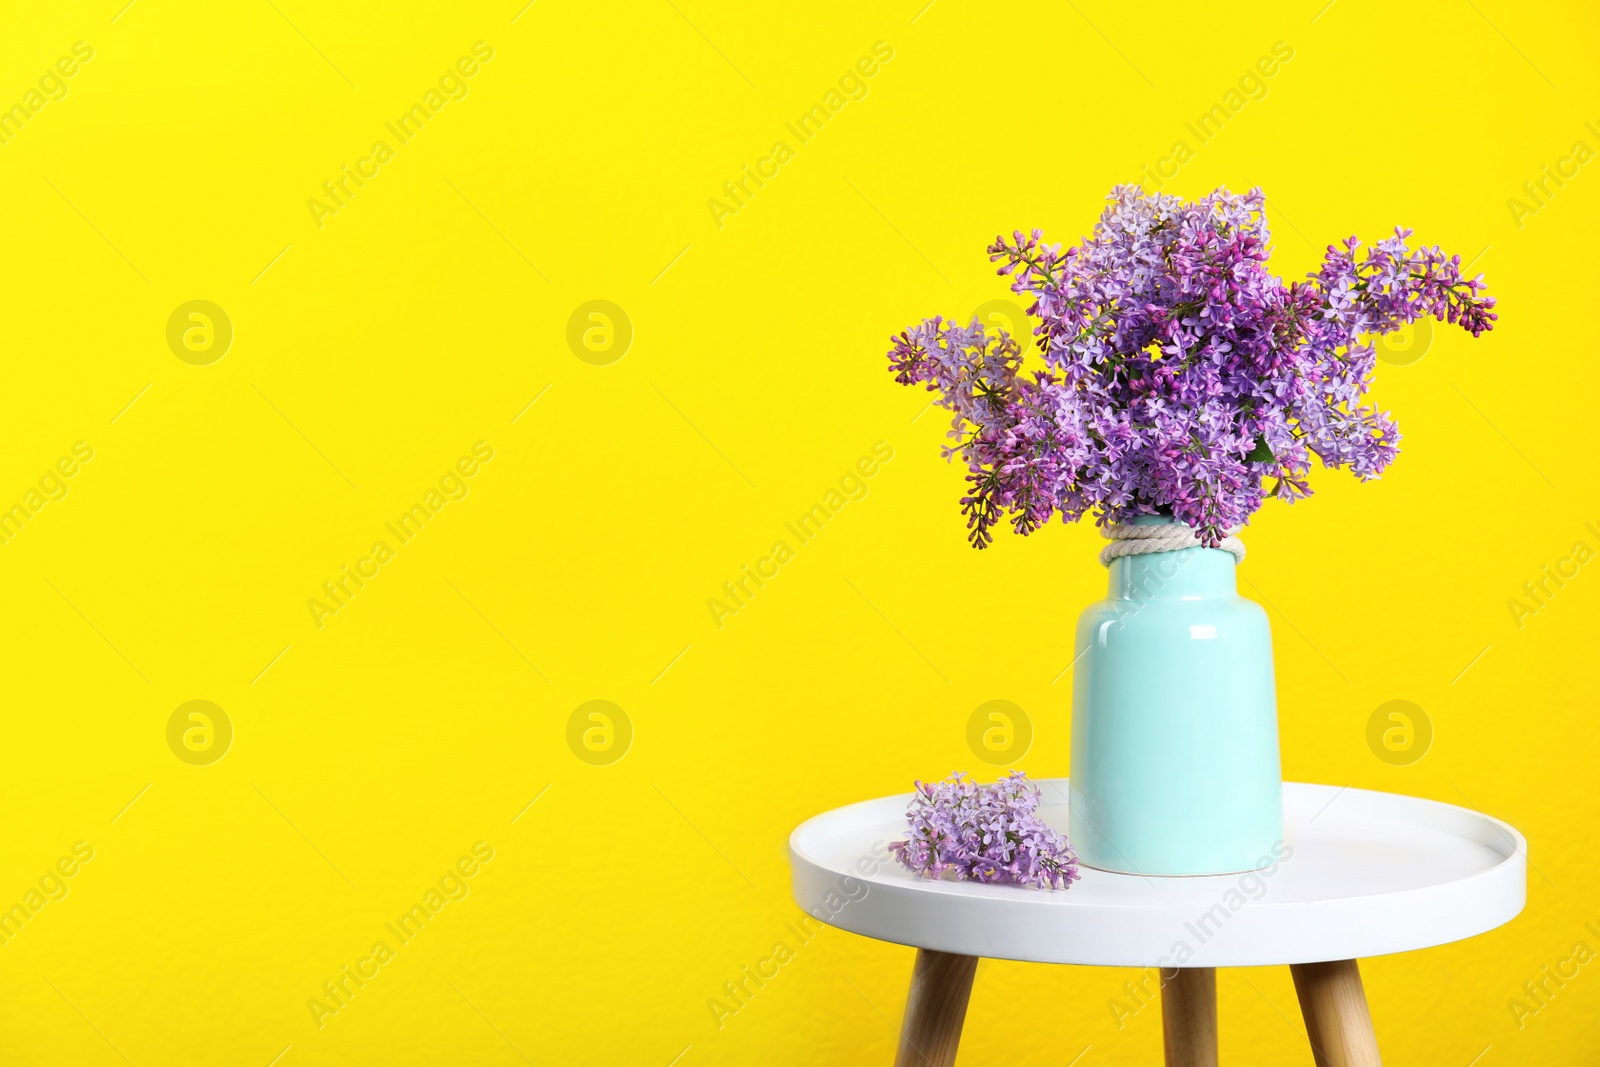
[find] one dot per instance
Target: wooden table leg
(1335, 1010)
(1189, 1016)
(941, 982)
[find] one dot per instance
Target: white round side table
(1359, 874)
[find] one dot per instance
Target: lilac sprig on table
(984, 833)
(1179, 376)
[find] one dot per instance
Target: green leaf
(1261, 453)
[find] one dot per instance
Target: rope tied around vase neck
(1130, 540)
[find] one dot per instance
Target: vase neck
(1188, 574)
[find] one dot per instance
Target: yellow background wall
(374, 346)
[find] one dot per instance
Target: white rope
(1128, 540)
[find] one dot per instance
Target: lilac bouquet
(1179, 375)
(986, 833)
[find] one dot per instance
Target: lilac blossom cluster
(1179, 375)
(985, 833)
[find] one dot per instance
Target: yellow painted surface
(413, 735)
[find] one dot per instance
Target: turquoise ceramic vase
(1174, 721)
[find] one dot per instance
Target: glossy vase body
(1174, 721)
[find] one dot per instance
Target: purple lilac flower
(985, 833)
(1179, 376)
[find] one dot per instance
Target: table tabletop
(1359, 873)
